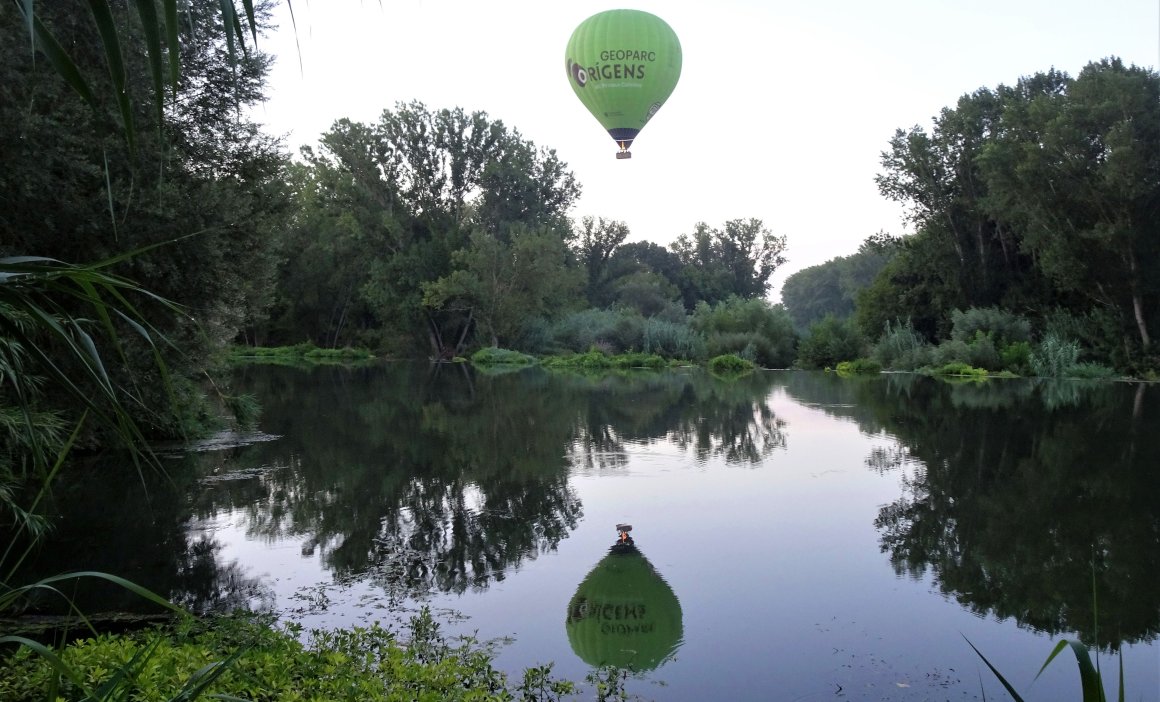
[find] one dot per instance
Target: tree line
(1040, 199)
(430, 232)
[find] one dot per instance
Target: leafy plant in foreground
(1091, 680)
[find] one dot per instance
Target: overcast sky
(781, 112)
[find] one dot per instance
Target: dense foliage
(1041, 198)
(210, 182)
(250, 660)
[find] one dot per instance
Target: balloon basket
(624, 154)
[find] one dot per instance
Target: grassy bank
(252, 659)
(299, 354)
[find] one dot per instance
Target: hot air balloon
(624, 614)
(623, 65)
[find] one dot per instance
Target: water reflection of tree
(700, 414)
(138, 526)
(455, 479)
(1017, 489)
(451, 480)
(415, 479)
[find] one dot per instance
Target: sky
(782, 110)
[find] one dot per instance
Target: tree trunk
(1137, 300)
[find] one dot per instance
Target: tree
(594, 243)
(501, 284)
(1078, 168)
(738, 259)
(72, 190)
(833, 287)
(402, 196)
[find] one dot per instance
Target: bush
(743, 327)
(492, 356)
(638, 360)
(901, 347)
(593, 359)
(671, 339)
(830, 342)
(1001, 326)
(981, 352)
(866, 366)
(1090, 371)
(1016, 357)
(730, 364)
(265, 663)
(620, 329)
(951, 351)
(1054, 357)
(961, 369)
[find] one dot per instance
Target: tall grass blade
(150, 26)
(133, 587)
(1090, 683)
(200, 681)
(998, 675)
(61, 61)
(31, 511)
(107, 28)
(109, 195)
(171, 39)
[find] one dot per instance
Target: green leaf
(107, 28)
(1007, 685)
(61, 62)
(151, 28)
(174, 45)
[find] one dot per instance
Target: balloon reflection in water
(624, 614)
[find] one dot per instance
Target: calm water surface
(797, 535)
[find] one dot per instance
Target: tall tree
(402, 196)
(1078, 167)
(738, 259)
(501, 284)
(594, 242)
(74, 190)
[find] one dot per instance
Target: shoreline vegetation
(597, 359)
(249, 656)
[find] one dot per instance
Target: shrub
(961, 369)
(671, 339)
(1090, 371)
(858, 366)
(901, 347)
(735, 324)
(1054, 357)
(492, 356)
(951, 351)
(1001, 326)
(829, 342)
(729, 364)
(1016, 357)
(266, 663)
(638, 360)
(981, 352)
(593, 359)
(621, 329)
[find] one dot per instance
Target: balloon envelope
(623, 65)
(624, 614)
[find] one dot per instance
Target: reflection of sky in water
(784, 591)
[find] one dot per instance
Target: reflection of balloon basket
(622, 537)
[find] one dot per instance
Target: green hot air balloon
(624, 614)
(623, 65)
